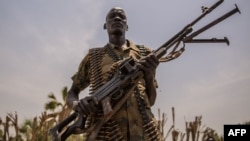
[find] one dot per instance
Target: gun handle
(54, 132)
(106, 106)
(76, 128)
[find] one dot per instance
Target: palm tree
(63, 110)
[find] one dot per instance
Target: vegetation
(36, 129)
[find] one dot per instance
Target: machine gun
(128, 74)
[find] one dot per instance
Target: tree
(59, 108)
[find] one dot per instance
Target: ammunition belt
(111, 53)
(96, 78)
(110, 130)
(95, 58)
(149, 126)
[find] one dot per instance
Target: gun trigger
(106, 106)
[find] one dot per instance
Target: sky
(42, 43)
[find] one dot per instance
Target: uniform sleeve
(81, 77)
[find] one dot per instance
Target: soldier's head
(116, 21)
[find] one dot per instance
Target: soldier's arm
(80, 82)
(151, 90)
(149, 64)
(73, 96)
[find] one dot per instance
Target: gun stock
(59, 133)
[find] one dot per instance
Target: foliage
(194, 130)
(36, 129)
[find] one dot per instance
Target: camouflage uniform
(127, 123)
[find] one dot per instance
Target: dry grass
(194, 131)
(36, 129)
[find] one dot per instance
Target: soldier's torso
(128, 122)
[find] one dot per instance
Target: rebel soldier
(134, 121)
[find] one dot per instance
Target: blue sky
(42, 43)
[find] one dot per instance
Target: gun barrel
(211, 24)
(210, 9)
(187, 29)
(213, 40)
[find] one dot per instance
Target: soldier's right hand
(85, 106)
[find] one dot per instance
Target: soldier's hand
(148, 65)
(85, 106)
